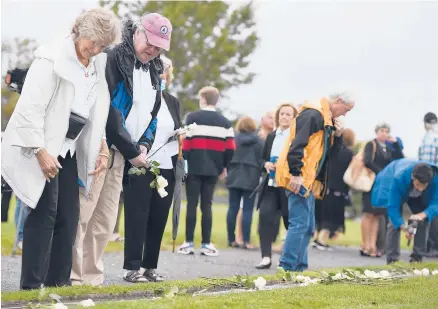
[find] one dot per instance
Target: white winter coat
(41, 119)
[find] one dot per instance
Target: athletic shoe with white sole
(186, 248)
(209, 250)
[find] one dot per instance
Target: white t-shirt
(165, 129)
(85, 83)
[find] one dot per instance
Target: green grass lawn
(157, 288)
(219, 232)
(412, 293)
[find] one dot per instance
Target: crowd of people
(95, 106)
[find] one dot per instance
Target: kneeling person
(415, 183)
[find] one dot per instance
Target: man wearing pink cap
(133, 75)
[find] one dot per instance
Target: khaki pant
(98, 217)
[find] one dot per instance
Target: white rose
(162, 192)
(300, 278)
(371, 274)
(425, 272)
(417, 272)
(314, 281)
(435, 272)
(87, 303)
(260, 283)
(338, 276)
(59, 306)
(161, 182)
(384, 274)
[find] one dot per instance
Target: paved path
(230, 262)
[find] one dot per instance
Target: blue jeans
(235, 195)
(19, 225)
(300, 230)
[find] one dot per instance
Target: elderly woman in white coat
(55, 142)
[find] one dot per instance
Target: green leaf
(153, 184)
(155, 163)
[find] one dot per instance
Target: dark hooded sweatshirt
(245, 166)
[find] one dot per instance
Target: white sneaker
(186, 248)
(209, 250)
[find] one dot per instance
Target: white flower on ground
(301, 278)
(260, 283)
(371, 274)
(162, 192)
(87, 303)
(384, 274)
(425, 272)
(59, 306)
(336, 277)
(161, 182)
(435, 272)
(417, 272)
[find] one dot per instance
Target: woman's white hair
(168, 69)
(345, 97)
(99, 25)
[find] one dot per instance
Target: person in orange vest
(301, 170)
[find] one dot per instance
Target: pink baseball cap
(159, 30)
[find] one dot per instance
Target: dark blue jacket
(392, 186)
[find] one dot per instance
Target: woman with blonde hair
(243, 176)
(272, 199)
(55, 136)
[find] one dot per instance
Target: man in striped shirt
(429, 152)
(208, 149)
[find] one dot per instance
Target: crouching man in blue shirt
(415, 183)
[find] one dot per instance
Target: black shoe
(319, 246)
(389, 262)
(416, 260)
(134, 276)
(152, 275)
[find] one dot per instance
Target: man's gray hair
(345, 97)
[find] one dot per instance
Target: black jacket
(382, 158)
(266, 157)
(119, 74)
(338, 162)
(244, 168)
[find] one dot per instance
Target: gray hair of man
(344, 97)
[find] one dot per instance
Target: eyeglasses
(159, 49)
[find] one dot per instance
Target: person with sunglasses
(133, 75)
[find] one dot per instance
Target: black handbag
(75, 126)
(5, 187)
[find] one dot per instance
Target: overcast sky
(385, 53)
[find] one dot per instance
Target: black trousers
(146, 215)
(199, 186)
(6, 199)
(273, 201)
(50, 231)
